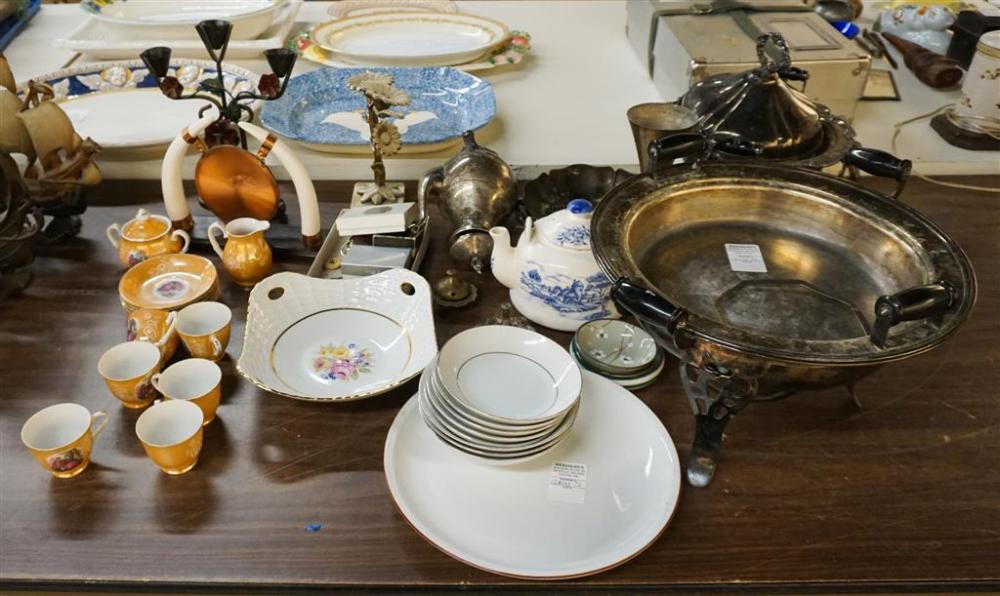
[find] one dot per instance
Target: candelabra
(232, 107)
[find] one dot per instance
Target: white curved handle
(185, 239)
(171, 328)
(172, 173)
(114, 234)
(217, 350)
(304, 189)
(155, 382)
(98, 420)
(211, 237)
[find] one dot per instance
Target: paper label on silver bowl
(568, 482)
(746, 258)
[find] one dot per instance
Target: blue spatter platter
(319, 110)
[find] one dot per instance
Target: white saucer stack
(500, 393)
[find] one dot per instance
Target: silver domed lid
(759, 106)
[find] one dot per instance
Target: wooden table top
(811, 492)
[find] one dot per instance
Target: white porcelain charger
(595, 500)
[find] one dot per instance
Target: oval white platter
(119, 105)
(337, 340)
(598, 498)
(160, 19)
(410, 38)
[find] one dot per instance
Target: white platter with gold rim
(337, 340)
(410, 38)
(594, 501)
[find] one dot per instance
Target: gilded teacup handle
(102, 417)
(185, 239)
(114, 234)
(171, 328)
(155, 382)
(217, 350)
(211, 237)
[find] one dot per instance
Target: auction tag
(745, 257)
(568, 482)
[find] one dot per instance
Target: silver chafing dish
(766, 278)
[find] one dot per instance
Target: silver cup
(651, 121)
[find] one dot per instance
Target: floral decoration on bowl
(341, 362)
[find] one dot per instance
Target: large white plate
(165, 19)
(511, 520)
(410, 38)
(103, 42)
(119, 105)
(336, 340)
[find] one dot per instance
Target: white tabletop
(565, 104)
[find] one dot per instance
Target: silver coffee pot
(476, 191)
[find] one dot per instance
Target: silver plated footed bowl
(765, 280)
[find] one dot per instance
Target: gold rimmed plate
(168, 282)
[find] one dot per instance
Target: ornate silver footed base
(715, 397)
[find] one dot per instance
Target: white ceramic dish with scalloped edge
(337, 340)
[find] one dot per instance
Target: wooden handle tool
(933, 69)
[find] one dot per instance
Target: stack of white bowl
(501, 393)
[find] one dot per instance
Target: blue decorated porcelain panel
(319, 108)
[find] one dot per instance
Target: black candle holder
(214, 33)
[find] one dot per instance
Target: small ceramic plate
(335, 340)
(410, 38)
(617, 347)
(168, 282)
(101, 41)
(592, 502)
(452, 408)
(509, 374)
(512, 52)
(319, 110)
(119, 105)
(157, 19)
(459, 428)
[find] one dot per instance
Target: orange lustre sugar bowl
(145, 236)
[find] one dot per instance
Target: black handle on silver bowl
(910, 305)
(880, 163)
(647, 306)
(690, 147)
(687, 147)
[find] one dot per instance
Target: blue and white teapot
(553, 277)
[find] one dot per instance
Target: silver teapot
(476, 190)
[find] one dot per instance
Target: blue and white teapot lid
(570, 227)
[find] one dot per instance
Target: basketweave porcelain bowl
(168, 282)
(337, 340)
(509, 375)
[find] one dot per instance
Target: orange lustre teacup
(171, 434)
(155, 326)
(127, 369)
(195, 380)
(204, 328)
(62, 436)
